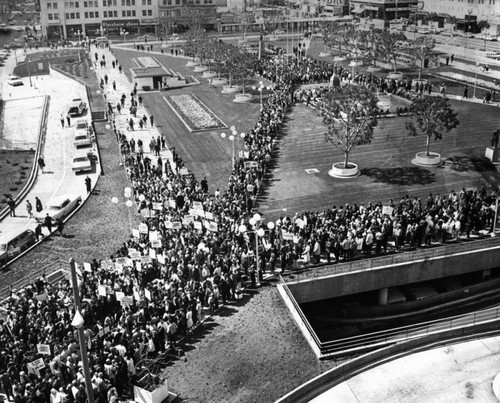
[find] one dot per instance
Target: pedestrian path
(122, 118)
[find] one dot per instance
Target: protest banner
(135, 233)
(43, 349)
(387, 210)
(34, 367)
(143, 228)
(101, 290)
(119, 295)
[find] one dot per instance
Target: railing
(388, 260)
(53, 272)
(383, 338)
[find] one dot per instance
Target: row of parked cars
(83, 138)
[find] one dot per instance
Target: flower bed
(193, 113)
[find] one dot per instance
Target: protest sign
(43, 349)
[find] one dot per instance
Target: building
(178, 15)
(77, 20)
(467, 13)
(384, 9)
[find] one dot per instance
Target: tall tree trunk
(346, 158)
(427, 145)
(230, 79)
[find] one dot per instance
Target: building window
(177, 2)
(54, 6)
(67, 16)
(49, 5)
(77, 15)
(124, 14)
(49, 16)
(116, 14)
(149, 2)
(150, 13)
(97, 14)
(77, 4)
(85, 4)
(91, 14)
(105, 14)
(86, 14)
(144, 13)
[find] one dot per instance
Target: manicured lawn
(15, 168)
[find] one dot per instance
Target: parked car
(279, 32)
(146, 37)
(82, 140)
(59, 207)
(14, 243)
(15, 82)
(77, 107)
(174, 37)
(81, 162)
(82, 125)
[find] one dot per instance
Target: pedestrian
(131, 124)
(144, 120)
(88, 184)
(12, 207)
(141, 124)
(60, 226)
(442, 90)
(466, 92)
(132, 145)
(114, 85)
(452, 57)
(495, 138)
(38, 232)
(62, 120)
(106, 79)
(152, 120)
(41, 164)
(68, 119)
(29, 209)
(7, 385)
(119, 108)
(120, 69)
(140, 98)
(48, 222)
(38, 205)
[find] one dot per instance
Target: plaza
(250, 349)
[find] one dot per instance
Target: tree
(220, 54)
(194, 37)
(373, 45)
(419, 50)
(391, 44)
(430, 117)
(334, 35)
(350, 114)
(483, 25)
(241, 64)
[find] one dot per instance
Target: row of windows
(95, 14)
(110, 14)
(179, 2)
(52, 6)
(53, 17)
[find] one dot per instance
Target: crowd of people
(196, 249)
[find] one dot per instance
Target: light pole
(232, 137)
(127, 192)
(493, 233)
(260, 88)
(475, 80)
(78, 323)
(124, 33)
(78, 36)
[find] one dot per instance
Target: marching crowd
(195, 249)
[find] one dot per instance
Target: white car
(82, 140)
(279, 32)
(81, 162)
(59, 207)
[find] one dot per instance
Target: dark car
(77, 107)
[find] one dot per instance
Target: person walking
(62, 120)
(495, 138)
(29, 209)
(38, 232)
(114, 85)
(41, 163)
(68, 119)
(466, 92)
(88, 184)
(38, 204)
(12, 207)
(48, 222)
(60, 226)
(152, 120)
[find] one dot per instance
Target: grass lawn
(15, 168)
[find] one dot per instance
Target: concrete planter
(422, 159)
(200, 69)
(373, 69)
(219, 81)
(395, 76)
(242, 98)
(230, 89)
(325, 54)
(339, 171)
(339, 59)
(209, 74)
(192, 63)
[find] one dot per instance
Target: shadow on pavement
(463, 163)
(405, 176)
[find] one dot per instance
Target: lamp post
(124, 33)
(259, 233)
(493, 233)
(475, 80)
(127, 192)
(260, 88)
(78, 323)
(78, 33)
(232, 137)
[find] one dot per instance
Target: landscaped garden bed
(15, 168)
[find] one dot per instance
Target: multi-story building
(77, 20)
(384, 9)
(183, 13)
(467, 12)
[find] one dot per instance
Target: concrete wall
(390, 276)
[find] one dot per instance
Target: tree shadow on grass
(404, 176)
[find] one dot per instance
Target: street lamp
(127, 192)
(260, 88)
(124, 33)
(78, 323)
(232, 137)
(475, 80)
(493, 233)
